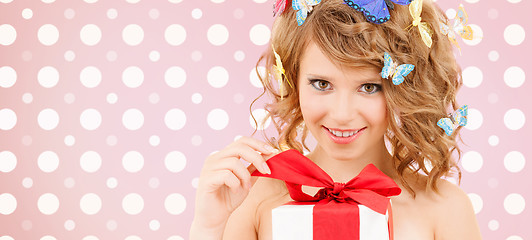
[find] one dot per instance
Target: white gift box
(295, 222)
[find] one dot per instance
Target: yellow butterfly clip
(458, 27)
(279, 74)
(424, 28)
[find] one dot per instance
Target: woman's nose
(342, 109)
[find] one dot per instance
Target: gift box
(295, 221)
(357, 210)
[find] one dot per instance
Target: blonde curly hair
(414, 107)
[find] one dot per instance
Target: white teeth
(343, 133)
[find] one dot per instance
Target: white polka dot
(133, 77)
(133, 161)
(175, 77)
(133, 1)
(8, 76)
(493, 140)
(154, 98)
(514, 77)
(90, 161)
(133, 119)
(175, 238)
(472, 1)
(514, 204)
(154, 56)
(514, 1)
(514, 119)
(197, 13)
(196, 140)
(70, 225)
(450, 13)
(27, 98)
(8, 34)
(70, 56)
(175, 119)
(217, 1)
(260, 116)
(90, 238)
(70, 140)
(260, 34)
(175, 203)
(260, 1)
(197, 98)
(514, 237)
(27, 182)
(175, 1)
(472, 77)
(90, 1)
(493, 225)
(478, 35)
(6, 238)
(514, 161)
(133, 204)
(154, 182)
(477, 202)
(69, 98)
(514, 34)
(111, 225)
(155, 225)
(196, 56)
(90, 119)
(48, 203)
(175, 34)
(112, 98)
(8, 119)
(154, 140)
(195, 182)
(48, 1)
(90, 203)
(48, 119)
(493, 56)
(90, 34)
(69, 182)
(133, 34)
(90, 77)
(8, 203)
(48, 77)
(48, 34)
(8, 161)
(218, 119)
(217, 34)
(48, 237)
(69, 13)
(112, 182)
(27, 13)
(472, 161)
(133, 238)
(239, 56)
(254, 78)
(474, 119)
(112, 13)
(48, 161)
(175, 161)
(218, 77)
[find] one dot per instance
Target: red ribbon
(335, 214)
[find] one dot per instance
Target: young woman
(334, 89)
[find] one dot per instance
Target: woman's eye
(320, 84)
(370, 88)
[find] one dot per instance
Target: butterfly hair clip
(278, 7)
(424, 28)
(458, 27)
(375, 11)
(455, 119)
(279, 74)
(398, 72)
(303, 7)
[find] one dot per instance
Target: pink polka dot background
(109, 108)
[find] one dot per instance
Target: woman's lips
(343, 136)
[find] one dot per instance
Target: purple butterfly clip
(375, 11)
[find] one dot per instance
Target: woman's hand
(224, 184)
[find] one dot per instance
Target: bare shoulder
(457, 219)
(244, 222)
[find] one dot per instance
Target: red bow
(336, 219)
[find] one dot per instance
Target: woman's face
(344, 108)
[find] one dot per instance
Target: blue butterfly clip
(303, 7)
(457, 118)
(375, 11)
(391, 69)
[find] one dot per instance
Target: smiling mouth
(345, 133)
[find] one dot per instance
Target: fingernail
(266, 168)
(269, 148)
